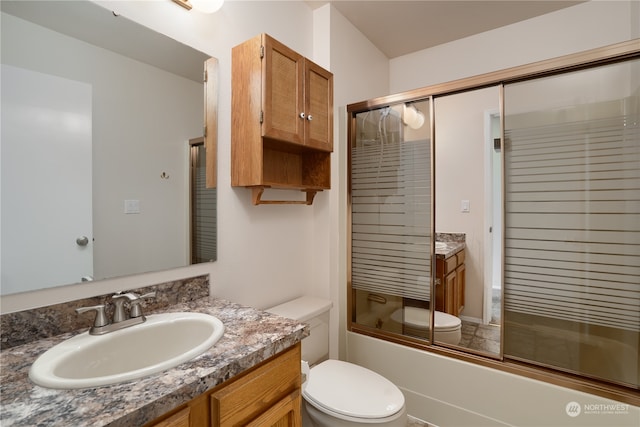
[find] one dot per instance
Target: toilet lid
(351, 390)
(419, 318)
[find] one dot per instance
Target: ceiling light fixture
(412, 117)
(204, 6)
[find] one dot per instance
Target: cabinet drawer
(450, 264)
(460, 257)
(179, 419)
(243, 400)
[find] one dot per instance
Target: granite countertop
(450, 248)
(251, 336)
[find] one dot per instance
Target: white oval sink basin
(440, 245)
(162, 342)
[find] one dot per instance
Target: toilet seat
(419, 318)
(446, 322)
(349, 391)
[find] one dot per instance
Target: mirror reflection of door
(203, 224)
(468, 215)
(44, 115)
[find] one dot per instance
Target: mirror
(126, 101)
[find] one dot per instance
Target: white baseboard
(471, 319)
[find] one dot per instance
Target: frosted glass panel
(572, 235)
(391, 215)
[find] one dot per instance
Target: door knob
(82, 241)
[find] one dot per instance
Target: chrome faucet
(121, 320)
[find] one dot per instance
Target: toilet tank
(315, 312)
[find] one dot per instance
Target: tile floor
(480, 337)
(484, 338)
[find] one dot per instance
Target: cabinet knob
(309, 117)
(302, 115)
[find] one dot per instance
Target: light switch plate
(465, 206)
(132, 206)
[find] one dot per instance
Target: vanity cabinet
(450, 285)
(268, 395)
(281, 119)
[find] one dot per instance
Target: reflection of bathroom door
(493, 219)
(46, 179)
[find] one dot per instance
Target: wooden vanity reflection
(450, 281)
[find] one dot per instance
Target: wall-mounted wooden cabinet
(268, 395)
(281, 119)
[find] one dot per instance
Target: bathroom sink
(441, 245)
(162, 342)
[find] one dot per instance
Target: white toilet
(448, 328)
(337, 393)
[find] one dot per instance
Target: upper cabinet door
(319, 107)
(281, 120)
(283, 93)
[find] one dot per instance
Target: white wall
(445, 391)
(574, 29)
(360, 72)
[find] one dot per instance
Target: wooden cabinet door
(285, 413)
(179, 419)
(460, 285)
(283, 93)
(268, 391)
(449, 293)
(318, 107)
(440, 288)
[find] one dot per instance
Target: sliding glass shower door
(390, 187)
(572, 222)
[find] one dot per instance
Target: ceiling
(400, 27)
(395, 27)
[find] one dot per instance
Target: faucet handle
(136, 310)
(101, 317)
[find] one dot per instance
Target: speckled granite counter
(251, 336)
(453, 243)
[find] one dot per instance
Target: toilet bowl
(337, 393)
(448, 328)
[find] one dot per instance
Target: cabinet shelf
(259, 190)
